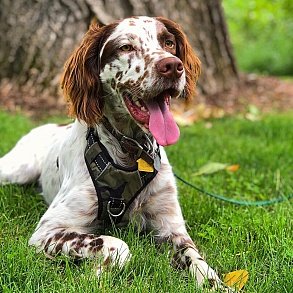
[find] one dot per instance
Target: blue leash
(235, 201)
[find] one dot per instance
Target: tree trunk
(39, 36)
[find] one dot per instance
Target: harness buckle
(121, 206)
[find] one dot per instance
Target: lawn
(258, 239)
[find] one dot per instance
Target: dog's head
(131, 69)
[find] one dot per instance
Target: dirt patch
(265, 93)
(261, 93)
(33, 104)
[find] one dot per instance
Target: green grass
(257, 239)
(262, 35)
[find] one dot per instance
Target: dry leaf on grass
(213, 167)
(210, 168)
(233, 168)
(236, 279)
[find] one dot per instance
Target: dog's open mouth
(155, 115)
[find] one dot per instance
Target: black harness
(116, 186)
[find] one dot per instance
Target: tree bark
(38, 36)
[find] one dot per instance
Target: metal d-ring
(113, 215)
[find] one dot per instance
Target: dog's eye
(126, 48)
(170, 44)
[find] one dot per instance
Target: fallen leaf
(236, 279)
(253, 113)
(210, 168)
(208, 125)
(233, 168)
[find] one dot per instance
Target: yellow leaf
(236, 279)
(233, 168)
(210, 168)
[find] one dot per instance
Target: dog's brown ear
(186, 54)
(81, 83)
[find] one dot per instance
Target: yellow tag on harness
(236, 279)
(144, 166)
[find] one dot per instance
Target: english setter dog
(109, 166)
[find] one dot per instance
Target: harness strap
(128, 144)
(116, 186)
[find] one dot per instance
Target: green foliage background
(262, 35)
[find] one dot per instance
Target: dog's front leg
(186, 256)
(67, 227)
(106, 249)
(163, 215)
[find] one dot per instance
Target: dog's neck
(125, 125)
(110, 133)
(119, 118)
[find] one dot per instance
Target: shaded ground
(263, 93)
(254, 94)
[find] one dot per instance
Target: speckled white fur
(54, 155)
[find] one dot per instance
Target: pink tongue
(162, 124)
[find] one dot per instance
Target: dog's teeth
(143, 109)
(137, 103)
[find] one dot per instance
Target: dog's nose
(170, 67)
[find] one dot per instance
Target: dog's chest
(117, 187)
